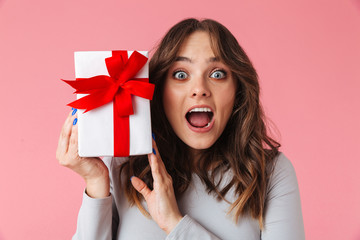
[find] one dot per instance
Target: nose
(200, 88)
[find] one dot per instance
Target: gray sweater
(205, 217)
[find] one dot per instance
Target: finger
(64, 138)
(157, 153)
(155, 168)
(162, 179)
(158, 170)
(140, 186)
(66, 128)
(73, 146)
(155, 148)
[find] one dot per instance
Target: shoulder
(283, 216)
(282, 164)
(283, 176)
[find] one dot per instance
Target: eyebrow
(186, 59)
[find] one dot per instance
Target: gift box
(113, 102)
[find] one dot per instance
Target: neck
(195, 154)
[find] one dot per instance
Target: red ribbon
(118, 87)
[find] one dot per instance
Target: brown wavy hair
(244, 147)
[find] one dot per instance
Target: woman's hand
(93, 170)
(161, 200)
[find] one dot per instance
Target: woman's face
(199, 93)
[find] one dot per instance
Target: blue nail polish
(74, 111)
(131, 178)
(75, 121)
(154, 152)
(153, 136)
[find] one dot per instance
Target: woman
(214, 173)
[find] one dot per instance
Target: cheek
(227, 100)
(170, 102)
(227, 110)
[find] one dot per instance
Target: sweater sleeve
(188, 229)
(97, 218)
(94, 219)
(283, 216)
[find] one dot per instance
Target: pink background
(307, 54)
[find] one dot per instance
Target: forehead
(195, 45)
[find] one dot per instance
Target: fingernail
(154, 152)
(75, 121)
(74, 111)
(153, 136)
(131, 178)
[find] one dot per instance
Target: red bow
(118, 86)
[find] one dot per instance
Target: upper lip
(200, 106)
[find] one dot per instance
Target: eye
(218, 74)
(180, 75)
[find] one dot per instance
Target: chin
(199, 144)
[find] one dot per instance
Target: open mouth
(199, 117)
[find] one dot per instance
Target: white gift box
(96, 127)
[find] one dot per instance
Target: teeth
(200, 110)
